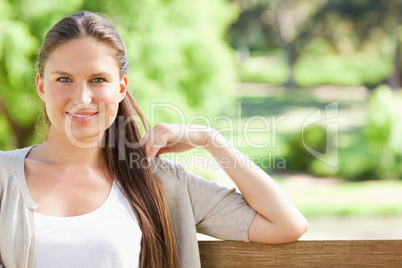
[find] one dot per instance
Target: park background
(254, 62)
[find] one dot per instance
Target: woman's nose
(83, 94)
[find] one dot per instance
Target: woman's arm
(277, 219)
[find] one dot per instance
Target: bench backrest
(353, 253)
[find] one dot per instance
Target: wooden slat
(353, 253)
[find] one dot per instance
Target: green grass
(309, 70)
(336, 198)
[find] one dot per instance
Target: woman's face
(81, 88)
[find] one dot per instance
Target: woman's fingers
(174, 148)
(155, 143)
(161, 136)
(149, 139)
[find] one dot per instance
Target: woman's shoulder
(168, 169)
(7, 167)
(8, 159)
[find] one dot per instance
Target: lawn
(324, 197)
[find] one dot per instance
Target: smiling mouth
(82, 115)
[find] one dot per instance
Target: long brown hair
(142, 188)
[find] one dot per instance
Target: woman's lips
(81, 117)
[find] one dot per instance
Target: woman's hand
(176, 138)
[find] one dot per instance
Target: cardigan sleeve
(218, 211)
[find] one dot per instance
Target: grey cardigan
(195, 205)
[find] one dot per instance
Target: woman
(96, 194)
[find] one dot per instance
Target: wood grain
(353, 253)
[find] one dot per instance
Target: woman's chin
(85, 139)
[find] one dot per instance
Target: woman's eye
(64, 79)
(98, 80)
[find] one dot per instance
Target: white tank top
(107, 237)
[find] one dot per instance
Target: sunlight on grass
(320, 197)
(311, 70)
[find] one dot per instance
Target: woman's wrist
(216, 141)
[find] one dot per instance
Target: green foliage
(176, 49)
(338, 42)
(270, 69)
(383, 133)
(341, 70)
(250, 30)
(319, 69)
(378, 153)
(365, 150)
(375, 154)
(298, 157)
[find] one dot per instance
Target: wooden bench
(353, 253)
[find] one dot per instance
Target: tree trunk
(287, 34)
(291, 59)
(395, 81)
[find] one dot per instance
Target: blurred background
(309, 90)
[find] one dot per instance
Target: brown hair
(142, 188)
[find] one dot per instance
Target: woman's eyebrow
(61, 73)
(101, 74)
(92, 75)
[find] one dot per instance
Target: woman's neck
(59, 149)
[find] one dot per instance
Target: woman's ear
(39, 87)
(123, 88)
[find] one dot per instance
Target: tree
(360, 25)
(266, 25)
(345, 26)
